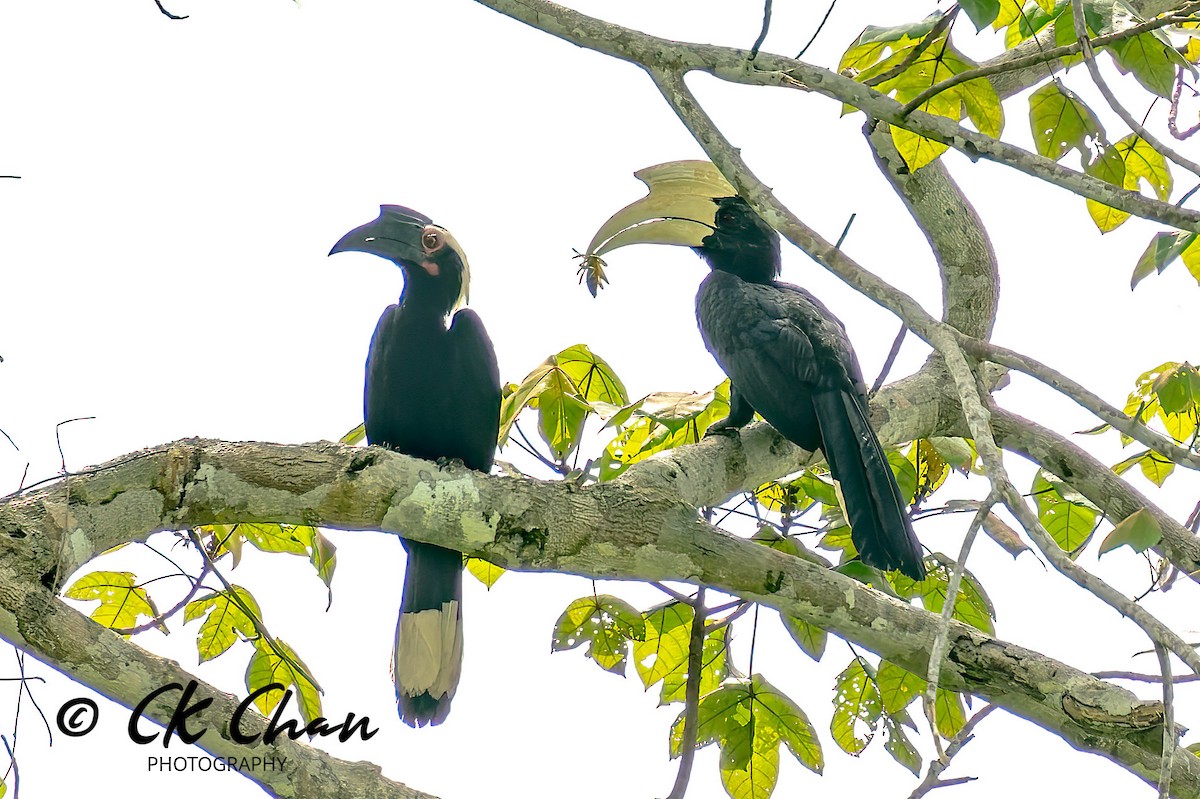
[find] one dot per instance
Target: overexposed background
(164, 271)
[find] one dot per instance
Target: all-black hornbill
(433, 392)
(786, 355)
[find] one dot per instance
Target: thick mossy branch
(622, 531)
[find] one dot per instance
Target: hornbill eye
(432, 240)
(726, 218)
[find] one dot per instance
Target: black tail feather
(879, 526)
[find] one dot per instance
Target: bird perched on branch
(432, 392)
(786, 355)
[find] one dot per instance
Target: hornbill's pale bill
(786, 355)
(433, 392)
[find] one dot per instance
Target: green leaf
(905, 473)
(714, 668)
(647, 436)
(768, 536)
(664, 647)
(749, 718)
(519, 397)
(1060, 122)
(971, 606)
(981, 12)
(1178, 389)
(1109, 166)
(915, 149)
(959, 453)
(323, 556)
(929, 469)
(122, 602)
(289, 538)
(1143, 162)
(1067, 516)
(561, 414)
(948, 713)
(356, 435)
(225, 620)
(594, 379)
(484, 571)
(899, 747)
(809, 637)
(1139, 530)
(1030, 20)
(1163, 249)
(606, 623)
(857, 708)
(898, 687)
(285, 667)
(1151, 61)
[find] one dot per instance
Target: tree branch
(608, 530)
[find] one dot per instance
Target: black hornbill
(433, 392)
(786, 355)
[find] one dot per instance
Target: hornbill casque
(432, 392)
(786, 355)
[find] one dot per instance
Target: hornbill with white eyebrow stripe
(786, 355)
(432, 392)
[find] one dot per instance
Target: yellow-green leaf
(484, 571)
(356, 435)
(714, 668)
(1060, 121)
(1139, 531)
(809, 637)
(282, 665)
(122, 602)
(664, 648)
(226, 620)
(898, 687)
(949, 713)
(1067, 516)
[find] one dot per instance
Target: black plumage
(787, 356)
(433, 392)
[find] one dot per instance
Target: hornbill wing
(791, 359)
(477, 401)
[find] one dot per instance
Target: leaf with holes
(1060, 121)
(664, 647)
(857, 708)
(607, 624)
(229, 616)
(899, 747)
(122, 602)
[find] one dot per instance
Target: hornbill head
(435, 266)
(691, 204)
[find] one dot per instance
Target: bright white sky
(166, 274)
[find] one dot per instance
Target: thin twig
(1134, 676)
(197, 584)
(817, 32)
(933, 777)
(166, 13)
(1089, 58)
(890, 360)
(762, 36)
(1167, 448)
(1173, 114)
(1169, 735)
(678, 597)
(938, 650)
(691, 693)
